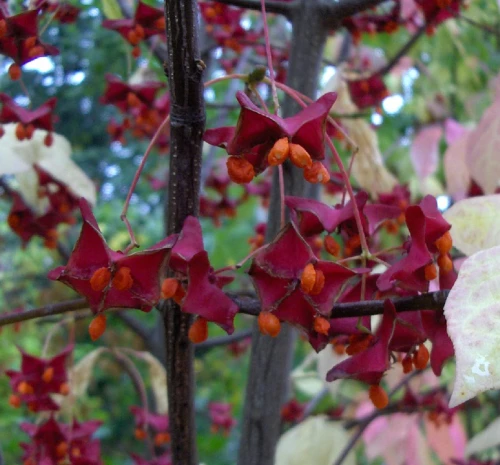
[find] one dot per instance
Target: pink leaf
(447, 440)
(453, 130)
(424, 152)
(482, 150)
(456, 170)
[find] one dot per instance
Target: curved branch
(250, 306)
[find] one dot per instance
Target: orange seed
(316, 173)
(198, 332)
(97, 327)
(240, 170)
(162, 438)
(319, 283)
(100, 279)
(279, 152)
(308, 278)
(169, 287)
(269, 324)
(299, 156)
(25, 388)
(321, 325)
(378, 396)
(14, 72)
(430, 272)
(444, 243)
(123, 280)
(14, 401)
(445, 264)
(48, 374)
(421, 357)
(64, 389)
(332, 246)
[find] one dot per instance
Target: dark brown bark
(271, 359)
(187, 123)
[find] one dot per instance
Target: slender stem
(223, 340)
(270, 58)
(357, 214)
(403, 50)
(278, 7)
(137, 175)
(51, 18)
(282, 194)
(140, 387)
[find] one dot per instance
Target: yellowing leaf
(472, 313)
(18, 157)
(368, 166)
(111, 9)
(327, 359)
(475, 223)
(158, 378)
(79, 379)
(314, 441)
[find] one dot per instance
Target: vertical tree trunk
(271, 358)
(187, 123)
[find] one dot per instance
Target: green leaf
(111, 9)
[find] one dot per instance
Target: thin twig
(278, 7)
(223, 340)
(402, 51)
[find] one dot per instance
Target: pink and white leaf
(472, 313)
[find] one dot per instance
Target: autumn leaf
(368, 166)
(471, 311)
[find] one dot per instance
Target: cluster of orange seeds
(444, 262)
(25, 389)
(358, 343)
(122, 280)
(312, 280)
(160, 439)
(419, 359)
(282, 150)
(171, 288)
